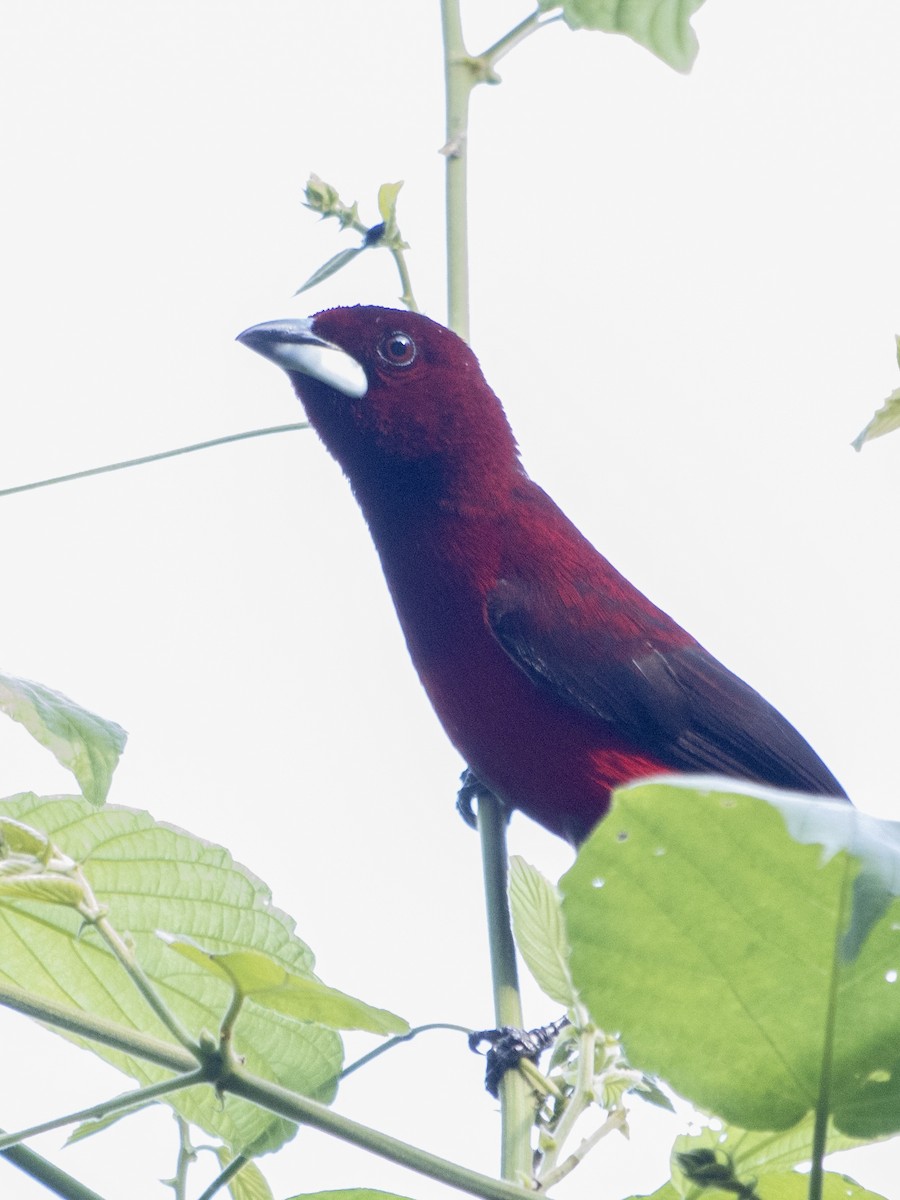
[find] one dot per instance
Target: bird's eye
(398, 349)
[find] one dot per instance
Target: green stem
(149, 458)
(578, 1102)
(272, 1097)
(309, 1112)
(405, 281)
(537, 20)
(225, 1176)
(396, 1041)
(516, 1097)
(614, 1121)
(459, 79)
(94, 912)
(52, 1177)
(98, 1029)
(138, 1097)
(461, 74)
(226, 1030)
(186, 1156)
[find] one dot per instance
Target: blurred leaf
(886, 419)
(330, 268)
(153, 876)
(738, 930)
(83, 743)
(267, 983)
(662, 26)
(540, 931)
(649, 1091)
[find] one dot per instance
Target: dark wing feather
(673, 702)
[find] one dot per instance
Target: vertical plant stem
(516, 1098)
(516, 1103)
(459, 79)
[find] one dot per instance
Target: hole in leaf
(878, 1077)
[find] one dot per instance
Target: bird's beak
(294, 347)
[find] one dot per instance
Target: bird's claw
(470, 788)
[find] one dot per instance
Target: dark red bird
(554, 678)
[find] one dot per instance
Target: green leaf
(649, 1091)
(20, 840)
(331, 267)
(83, 743)
(266, 982)
(387, 205)
(662, 26)
(47, 888)
(249, 1183)
(710, 939)
(153, 876)
(885, 420)
(540, 931)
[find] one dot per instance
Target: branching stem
(95, 913)
(105, 1108)
(531, 24)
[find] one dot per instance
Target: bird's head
(384, 387)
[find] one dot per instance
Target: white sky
(684, 289)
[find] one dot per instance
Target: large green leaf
(662, 26)
(153, 876)
(85, 744)
(713, 941)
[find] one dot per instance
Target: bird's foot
(470, 788)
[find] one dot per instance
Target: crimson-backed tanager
(553, 676)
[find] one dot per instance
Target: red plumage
(554, 677)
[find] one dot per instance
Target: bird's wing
(673, 701)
